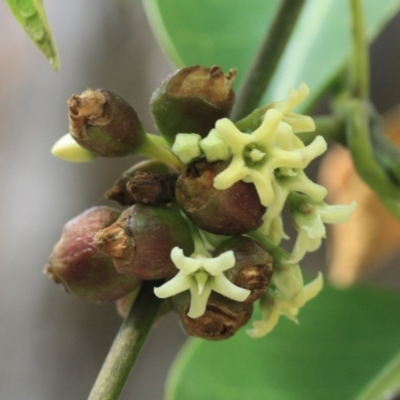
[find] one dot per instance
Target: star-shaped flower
(296, 181)
(309, 220)
(201, 275)
(255, 156)
(286, 299)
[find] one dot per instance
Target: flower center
(254, 155)
(201, 277)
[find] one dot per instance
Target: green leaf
(228, 33)
(344, 338)
(32, 17)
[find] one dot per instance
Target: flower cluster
(205, 214)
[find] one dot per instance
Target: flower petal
(222, 285)
(217, 265)
(337, 214)
(187, 265)
(178, 284)
(198, 302)
(233, 173)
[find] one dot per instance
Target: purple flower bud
(80, 266)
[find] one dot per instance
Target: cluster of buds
(203, 215)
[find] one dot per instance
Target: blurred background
(52, 345)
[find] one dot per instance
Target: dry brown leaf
(360, 246)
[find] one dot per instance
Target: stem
(199, 246)
(159, 140)
(151, 148)
(359, 69)
(126, 346)
(386, 382)
(264, 65)
(279, 255)
(327, 126)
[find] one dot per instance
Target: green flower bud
(80, 266)
(253, 265)
(192, 100)
(233, 211)
(141, 240)
(120, 193)
(68, 149)
(105, 124)
(222, 319)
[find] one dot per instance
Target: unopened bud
(192, 100)
(148, 188)
(80, 266)
(105, 124)
(68, 149)
(119, 191)
(222, 319)
(233, 211)
(253, 265)
(141, 240)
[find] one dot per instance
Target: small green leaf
(31, 16)
(229, 32)
(344, 338)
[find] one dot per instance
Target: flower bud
(105, 124)
(253, 265)
(148, 188)
(222, 319)
(68, 149)
(141, 240)
(233, 211)
(119, 191)
(192, 100)
(80, 266)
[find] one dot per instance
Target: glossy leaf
(32, 17)
(344, 338)
(228, 33)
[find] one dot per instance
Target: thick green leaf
(228, 33)
(32, 17)
(344, 338)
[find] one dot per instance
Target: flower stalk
(127, 345)
(265, 63)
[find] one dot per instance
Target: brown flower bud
(253, 265)
(119, 191)
(141, 240)
(192, 100)
(222, 319)
(233, 211)
(105, 124)
(148, 188)
(80, 266)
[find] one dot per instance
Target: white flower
(201, 275)
(255, 156)
(311, 228)
(272, 145)
(286, 299)
(68, 149)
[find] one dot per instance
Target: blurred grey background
(52, 344)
